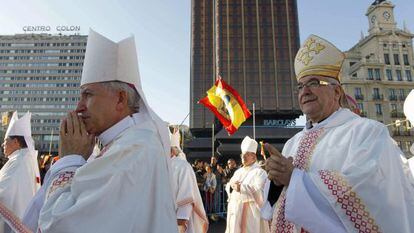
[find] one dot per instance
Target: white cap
(21, 127)
(248, 145)
(107, 61)
(409, 107)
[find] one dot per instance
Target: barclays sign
(279, 122)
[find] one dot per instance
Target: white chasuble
(348, 178)
(243, 212)
(189, 205)
(19, 182)
(124, 189)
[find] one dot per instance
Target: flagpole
(51, 140)
(254, 123)
(179, 130)
(212, 139)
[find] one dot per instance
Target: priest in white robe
(191, 216)
(245, 192)
(19, 177)
(127, 187)
(342, 173)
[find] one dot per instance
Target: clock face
(386, 15)
(373, 18)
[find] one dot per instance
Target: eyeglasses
(314, 83)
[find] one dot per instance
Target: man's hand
(73, 137)
(278, 167)
(236, 186)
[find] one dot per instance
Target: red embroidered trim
(12, 220)
(306, 146)
(302, 161)
(279, 222)
(350, 202)
(62, 180)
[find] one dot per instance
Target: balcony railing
(393, 98)
(402, 133)
(395, 114)
(377, 97)
(359, 97)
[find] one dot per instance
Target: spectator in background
(230, 169)
(209, 188)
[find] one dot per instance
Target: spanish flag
(227, 105)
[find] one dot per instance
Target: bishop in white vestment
(245, 192)
(342, 173)
(19, 177)
(126, 188)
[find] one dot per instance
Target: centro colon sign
(60, 28)
(279, 123)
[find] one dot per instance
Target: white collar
(339, 117)
(108, 135)
(16, 153)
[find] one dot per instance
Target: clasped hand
(74, 139)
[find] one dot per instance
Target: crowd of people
(211, 179)
(341, 173)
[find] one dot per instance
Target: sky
(162, 33)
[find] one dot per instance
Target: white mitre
(248, 145)
(318, 56)
(106, 61)
(21, 127)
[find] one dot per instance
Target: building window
(387, 58)
(389, 74)
(396, 59)
(399, 75)
(402, 94)
(370, 74)
(358, 93)
(406, 62)
(378, 109)
(360, 106)
(377, 74)
(392, 96)
(393, 107)
(408, 75)
(376, 94)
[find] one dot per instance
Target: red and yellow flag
(227, 105)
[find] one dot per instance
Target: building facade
(378, 72)
(251, 44)
(41, 73)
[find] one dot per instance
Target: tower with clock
(381, 16)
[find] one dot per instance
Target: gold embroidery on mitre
(310, 46)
